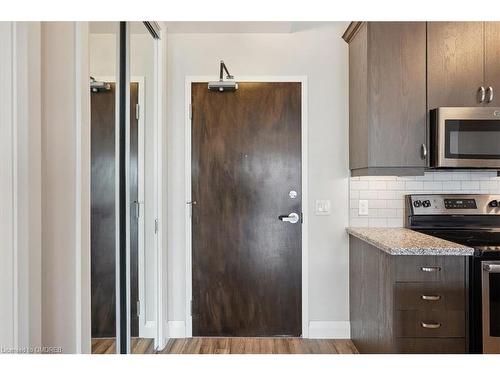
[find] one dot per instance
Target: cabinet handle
(423, 151)
(481, 94)
(431, 298)
(430, 269)
(431, 325)
(489, 90)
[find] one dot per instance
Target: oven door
(465, 137)
(491, 306)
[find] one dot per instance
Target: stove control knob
(426, 203)
(493, 203)
(417, 204)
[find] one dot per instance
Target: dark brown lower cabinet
(398, 306)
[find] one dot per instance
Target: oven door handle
(491, 267)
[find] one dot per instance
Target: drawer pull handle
(431, 298)
(431, 325)
(430, 269)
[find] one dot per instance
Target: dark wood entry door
(103, 283)
(246, 164)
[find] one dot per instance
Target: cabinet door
(358, 126)
(492, 60)
(397, 100)
(455, 56)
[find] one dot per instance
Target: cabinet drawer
(429, 296)
(430, 268)
(430, 323)
(430, 346)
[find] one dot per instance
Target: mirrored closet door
(123, 91)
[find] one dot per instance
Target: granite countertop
(403, 241)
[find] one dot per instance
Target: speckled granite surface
(402, 241)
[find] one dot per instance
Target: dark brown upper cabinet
(455, 64)
(492, 61)
(387, 97)
(463, 64)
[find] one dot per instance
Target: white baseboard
(317, 329)
(329, 329)
(176, 329)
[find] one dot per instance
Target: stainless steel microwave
(465, 137)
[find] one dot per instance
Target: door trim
(305, 201)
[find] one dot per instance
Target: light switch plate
(363, 207)
(322, 207)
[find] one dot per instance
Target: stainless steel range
(472, 220)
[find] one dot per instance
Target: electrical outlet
(363, 207)
(322, 207)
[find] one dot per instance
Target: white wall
(20, 217)
(65, 187)
(321, 55)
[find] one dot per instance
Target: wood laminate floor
(108, 346)
(222, 345)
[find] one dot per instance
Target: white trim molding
(176, 329)
(82, 190)
(305, 196)
(329, 329)
(20, 185)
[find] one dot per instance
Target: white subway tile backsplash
(368, 194)
(395, 203)
(385, 194)
(395, 185)
(387, 212)
(359, 222)
(443, 176)
(377, 203)
(451, 185)
(488, 185)
(428, 176)
(395, 222)
(359, 185)
(414, 185)
(388, 194)
(460, 176)
(377, 222)
(433, 186)
(378, 185)
(470, 185)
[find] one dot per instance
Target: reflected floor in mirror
(221, 345)
(108, 346)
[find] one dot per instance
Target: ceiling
(238, 26)
(201, 27)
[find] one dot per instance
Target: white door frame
(305, 201)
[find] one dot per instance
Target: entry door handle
(292, 218)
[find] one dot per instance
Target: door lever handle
(292, 218)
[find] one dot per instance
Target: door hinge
(302, 218)
(138, 308)
(191, 308)
(137, 111)
(191, 111)
(190, 205)
(156, 226)
(137, 205)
